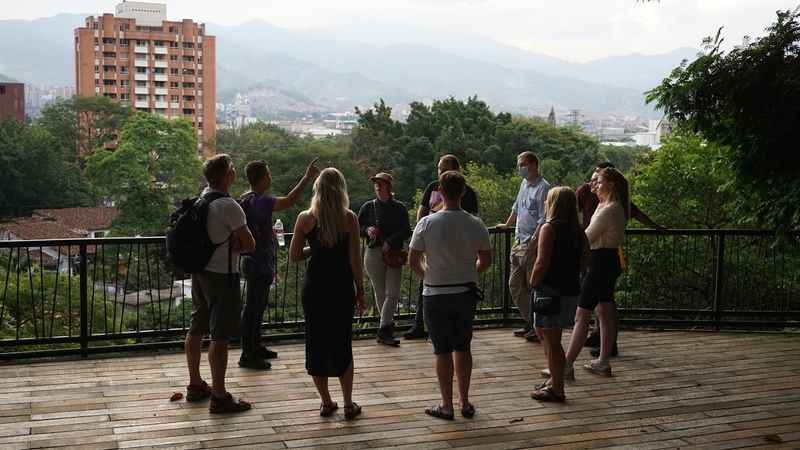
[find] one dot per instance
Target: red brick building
(12, 101)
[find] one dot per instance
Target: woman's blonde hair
(329, 205)
(620, 192)
(561, 206)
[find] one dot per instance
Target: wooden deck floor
(670, 390)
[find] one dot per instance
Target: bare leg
(322, 387)
(218, 360)
(555, 358)
(346, 380)
(192, 349)
(444, 372)
(607, 314)
(463, 369)
(579, 332)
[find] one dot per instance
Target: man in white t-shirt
(216, 300)
(456, 247)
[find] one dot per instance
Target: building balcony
(159, 77)
(161, 105)
(160, 64)
(109, 47)
(142, 104)
(141, 49)
(161, 91)
(160, 50)
(142, 91)
(141, 63)
(141, 77)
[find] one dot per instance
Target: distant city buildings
(140, 58)
(39, 96)
(12, 101)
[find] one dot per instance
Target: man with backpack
(258, 266)
(216, 300)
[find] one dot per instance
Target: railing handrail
(155, 239)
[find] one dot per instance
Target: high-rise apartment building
(138, 57)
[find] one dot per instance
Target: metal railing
(87, 296)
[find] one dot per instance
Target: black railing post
(84, 290)
(719, 255)
(506, 274)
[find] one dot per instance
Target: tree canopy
(747, 100)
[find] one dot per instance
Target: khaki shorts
(216, 305)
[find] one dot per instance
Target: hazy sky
(576, 30)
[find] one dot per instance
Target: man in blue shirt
(258, 266)
(526, 215)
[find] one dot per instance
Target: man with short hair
(456, 248)
(527, 214)
(433, 201)
(258, 266)
(216, 300)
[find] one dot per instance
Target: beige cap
(382, 176)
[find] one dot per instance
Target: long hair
(329, 205)
(561, 206)
(620, 192)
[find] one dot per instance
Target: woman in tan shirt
(606, 233)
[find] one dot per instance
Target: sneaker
(250, 362)
(416, 332)
(596, 351)
(197, 393)
(598, 368)
(266, 353)
(521, 332)
(531, 336)
(228, 404)
(569, 373)
(593, 340)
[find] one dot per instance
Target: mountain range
(355, 64)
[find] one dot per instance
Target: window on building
(141, 98)
(188, 71)
(96, 69)
(173, 57)
(109, 54)
(123, 43)
(141, 70)
(141, 83)
(2, 90)
(107, 40)
(188, 98)
(141, 42)
(159, 70)
(188, 45)
(188, 58)
(96, 41)
(174, 98)
(109, 82)
(174, 84)
(123, 70)
(173, 71)
(188, 85)
(188, 111)
(124, 82)
(96, 82)
(173, 44)
(109, 95)
(125, 97)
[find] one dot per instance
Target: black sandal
(468, 411)
(439, 413)
(352, 411)
(547, 394)
(327, 410)
(228, 404)
(196, 393)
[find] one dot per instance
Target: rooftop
(670, 389)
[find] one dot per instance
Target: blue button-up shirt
(529, 207)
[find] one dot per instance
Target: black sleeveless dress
(328, 305)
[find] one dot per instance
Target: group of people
(556, 261)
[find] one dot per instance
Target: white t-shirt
(450, 240)
(224, 216)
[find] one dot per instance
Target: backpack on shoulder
(189, 247)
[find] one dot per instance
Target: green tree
(154, 166)
(35, 173)
(682, 184)
(81, 125)
(747, 100)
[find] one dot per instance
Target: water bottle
(278, 229)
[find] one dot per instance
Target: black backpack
(189, 247)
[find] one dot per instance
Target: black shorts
(449, 320)
(601, 278)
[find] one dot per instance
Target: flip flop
(350, 412)
(468, 411)
(439, 413)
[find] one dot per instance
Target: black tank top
(564, 270)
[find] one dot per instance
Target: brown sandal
(547, 394)
(196, 393)
(327, 410)
(228, 404)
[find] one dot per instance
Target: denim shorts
(565, 317)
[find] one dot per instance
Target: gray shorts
(216, 305)
(566, 316)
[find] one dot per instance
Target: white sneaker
(596, 367)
